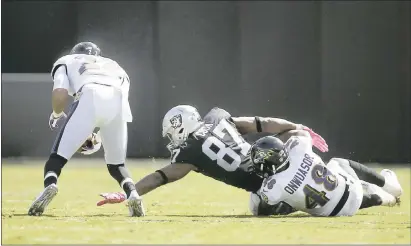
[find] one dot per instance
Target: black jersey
(220, 152)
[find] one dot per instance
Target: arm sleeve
(61, 62)
(60, 79)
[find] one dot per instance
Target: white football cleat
(386, 198)
(392, 185)
(135, 205)
(41, 202)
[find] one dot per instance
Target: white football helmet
(179, 122)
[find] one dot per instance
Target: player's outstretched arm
(150, 182)
(163, 176)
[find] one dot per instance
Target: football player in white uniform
(100, 89)
(298, 177)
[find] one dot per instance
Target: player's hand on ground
(112, 198)
(317, 140)
(56, 120)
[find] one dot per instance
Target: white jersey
(83, 69)
(306, 185)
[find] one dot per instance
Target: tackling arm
(264, 124)
(277, 126)
(297, 133)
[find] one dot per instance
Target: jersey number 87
(217, 150)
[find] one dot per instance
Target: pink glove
(112, 198)
(317, 140)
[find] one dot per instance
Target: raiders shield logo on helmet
(176, 121)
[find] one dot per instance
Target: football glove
(112, 198)
(56, 120)
(317, 140)
(91, 145)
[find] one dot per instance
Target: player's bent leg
(370, 201)
(342, 164)
(353, 203)
(392, 185)
(122, 175)
(53, 168)
(114, 140)
(46, 196)
(386, 179)
(52, 171)
(79, 124)
(376, 196)
(75, 134)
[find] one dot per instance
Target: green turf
(194, 210)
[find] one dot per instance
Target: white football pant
(96, 106)
(353, 204)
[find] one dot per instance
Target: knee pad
(344, 165)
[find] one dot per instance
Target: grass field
(194, 210)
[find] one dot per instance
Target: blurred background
(339, 67)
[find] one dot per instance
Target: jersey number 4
(322, 176)
(225, 156)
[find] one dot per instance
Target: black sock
(370, 201)
(367, 174)
(128, 187)
(52, 169)
(122, 175)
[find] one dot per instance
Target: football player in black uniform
(214, 147)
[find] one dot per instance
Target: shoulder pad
(202, 131)
(62, 61)
(292, 142)
(216, 114)
(298, 143)
(220, 111)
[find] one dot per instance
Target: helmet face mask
(259, 161)
(179, 123)
(177, 138)
(269, 155)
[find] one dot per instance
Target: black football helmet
(269, 155)
(87, 48)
